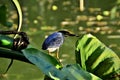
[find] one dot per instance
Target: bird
(55, 40)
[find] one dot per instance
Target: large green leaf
(80, 74)
(96, 58)
(32, 54)
(45, 63)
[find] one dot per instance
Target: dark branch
(7, 53)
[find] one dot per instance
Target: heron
(55, 40)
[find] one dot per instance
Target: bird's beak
(73, 35)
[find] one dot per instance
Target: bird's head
(67, 33)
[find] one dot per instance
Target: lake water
(37, 28)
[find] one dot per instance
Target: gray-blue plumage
(54, 40)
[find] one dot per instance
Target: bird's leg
(48, 52)
(57, 54)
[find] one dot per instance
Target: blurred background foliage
(42, 17)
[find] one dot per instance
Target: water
(20, 71)
(38, 27)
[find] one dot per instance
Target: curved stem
(7, 53)
(17, 5)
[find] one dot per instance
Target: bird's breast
(52, 49)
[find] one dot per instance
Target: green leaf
(80, 74)
(6, 42)
(45, 63)
(96, 58)
(32, 53)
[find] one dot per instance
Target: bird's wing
(52, 41)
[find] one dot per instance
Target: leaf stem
(17, 5)
(7, 53)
